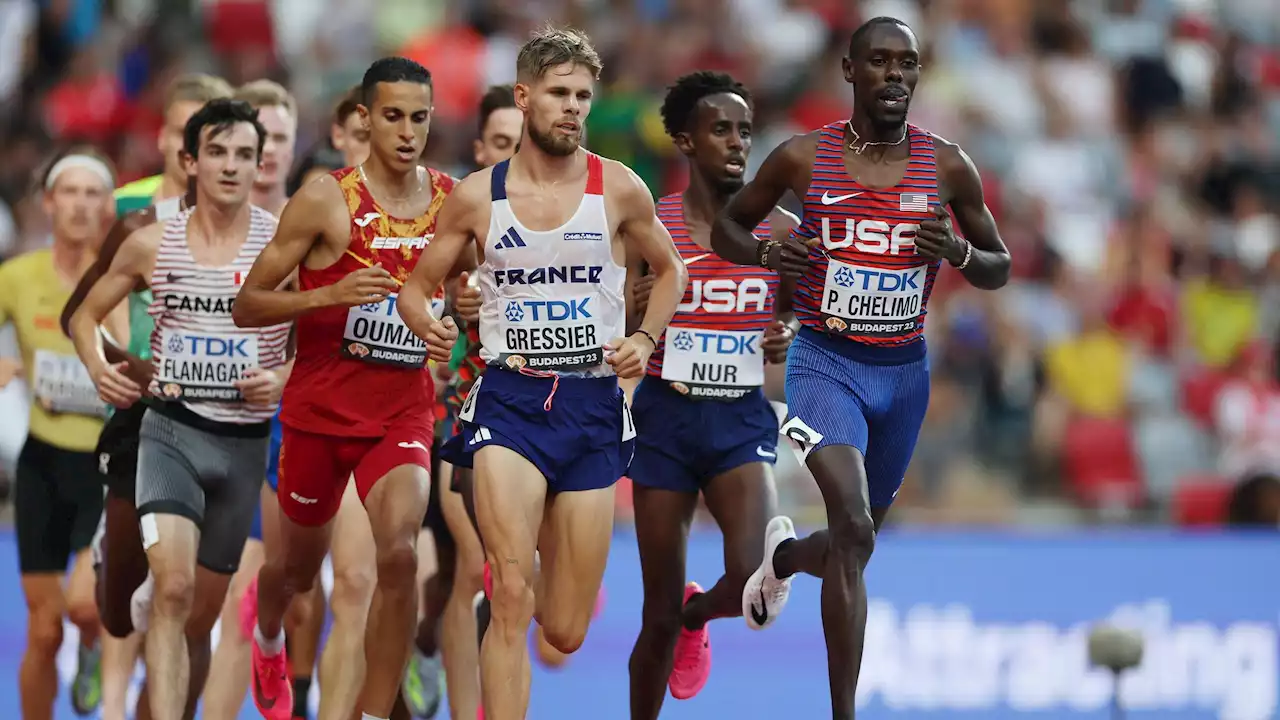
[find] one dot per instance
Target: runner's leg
(458, 629)
(342, 665)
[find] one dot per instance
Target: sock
(269, 647)
(301, 691)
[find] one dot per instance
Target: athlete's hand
(640, 293)
(366, 285)
(115, 388)
(629, 356)
(261, 387)
(937, 241)
(10, 368)
(790, 258)
(467, 303)
(440, 339)
(777, 339)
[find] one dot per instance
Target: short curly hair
(683, 97)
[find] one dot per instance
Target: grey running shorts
(210, 478)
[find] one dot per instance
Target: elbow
(65, 321)
(1001, 272)
(242, 313)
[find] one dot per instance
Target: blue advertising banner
(984, 625)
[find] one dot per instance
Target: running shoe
(765, 594)
(692, 664)
(86, 689)
(272, 685)
(423, 685)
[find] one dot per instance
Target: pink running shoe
(249, 609)
(488, 582)
(272, 686)
(692, 657)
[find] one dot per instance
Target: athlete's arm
(988, 259)
(638, 284)
(308, 218)
(120, 230)
(732, 233)
(640, 229)
(131, 266)
(778, 336)
(455, 231)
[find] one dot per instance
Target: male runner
(500, 122)
(229, 674)
(875, 230)
(547, 425)
(703, 423)
(57, 498)
(360, 398)
(204, 438)
(349, 133)
(122, 564)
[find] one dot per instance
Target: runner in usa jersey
(360, 400)
(703, 423)
(875, 229)
(546, 427)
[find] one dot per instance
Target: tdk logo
(885, 281)
(548, 310)
(710, 343)
(208, 346)
(572, 236)
(560, 274)
(509, 239)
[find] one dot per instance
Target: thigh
(822, 409)
(233, 500)
(453, 508)
(312, 473)
(742, 501)
(406, 444)
(575, 538)
(903, 400)
(352, 548)
(168, 483)
(44, 533)
(662, 519)
(510, 494)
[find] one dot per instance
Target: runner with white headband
(57, 497)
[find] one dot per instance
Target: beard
(554, 145)
(730, 185)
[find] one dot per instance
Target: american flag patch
(913, 202)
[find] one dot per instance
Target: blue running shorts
(837, 395)
(682, 443)
(583, 441)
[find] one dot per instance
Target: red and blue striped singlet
(865, 282)
(711, 349)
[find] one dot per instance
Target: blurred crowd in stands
(1130, 151)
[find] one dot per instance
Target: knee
(299, 576)
(565, 634)
(468, 576)
(84, 612)
(398, 566)
(174, 595)
(44, 633)
(853, 535)
(662, 620)
(513, 600)
(352, 589)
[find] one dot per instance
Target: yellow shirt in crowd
(1219, 321)
(65, 409)
(1092, 372)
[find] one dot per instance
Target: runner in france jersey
(874, 232)
(703, 423)
(360, 398)
(204, 438)
(546, 427)
(56, 494)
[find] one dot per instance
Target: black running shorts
(57, 503)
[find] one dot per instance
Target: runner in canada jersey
(703, 424)
(360, 400)
(875, 230)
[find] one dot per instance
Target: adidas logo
(509, 239)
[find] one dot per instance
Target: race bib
(552, 335)
(868, 301)
(204, 366)
(375, 333)
(713, 364)
(62, 385)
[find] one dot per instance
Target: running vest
(140, 323)
(198, 351)
(711, 349)
(551, 299)
(866, 283)
(358, 370)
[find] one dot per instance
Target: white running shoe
(765, 595)
(140, 604)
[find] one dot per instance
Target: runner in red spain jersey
(360, 400)
(703, 424)
(874, 232)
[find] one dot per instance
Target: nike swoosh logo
(368, 218)
(765, 453)
(827, 199)
(267, 703)
(761, 616)
(414, 444)
(696, 258)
